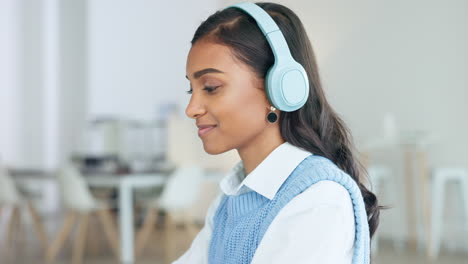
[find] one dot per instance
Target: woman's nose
(195, 108)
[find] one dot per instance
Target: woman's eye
(210, 89)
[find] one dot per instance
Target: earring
(272, 117)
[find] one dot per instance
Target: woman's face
(226, 94)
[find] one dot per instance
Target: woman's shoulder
(318, 163)
(318, 168)
(324, 194)
(329, 187)
(327, 192)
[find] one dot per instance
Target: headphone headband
(269, 28)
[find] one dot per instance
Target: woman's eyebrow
(198, 74)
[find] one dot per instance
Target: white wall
(73, 75)
(9, 70)
(42, 92)
(137, 53)
(21, 83)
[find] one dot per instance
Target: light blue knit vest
(241, 221)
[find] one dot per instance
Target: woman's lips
(205, 129)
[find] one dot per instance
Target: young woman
(297, 195)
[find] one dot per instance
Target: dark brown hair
(315, 127)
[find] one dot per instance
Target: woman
(297, 194)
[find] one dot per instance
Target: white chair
(80, 204)
(177, 199)
(441, 178)
(381, 176)
(11, 197)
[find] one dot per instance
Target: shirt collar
(268, 176)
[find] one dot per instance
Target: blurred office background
(92, 100)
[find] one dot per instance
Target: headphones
(286, 82)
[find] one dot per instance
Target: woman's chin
(213, 149)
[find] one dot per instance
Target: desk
(126, 184)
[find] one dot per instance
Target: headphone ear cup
(287, 86)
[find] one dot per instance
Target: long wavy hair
(315, 127)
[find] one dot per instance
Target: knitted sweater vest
(241, 221)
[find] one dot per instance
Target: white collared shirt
(316, 226)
